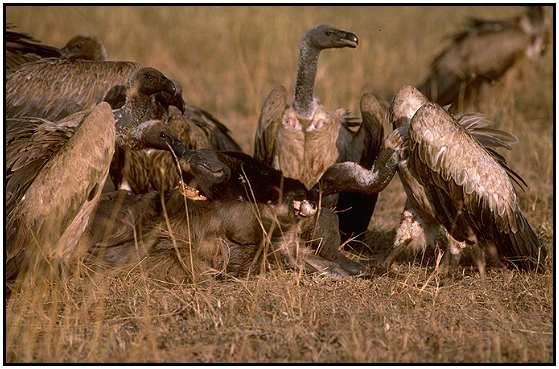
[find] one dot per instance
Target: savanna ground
(227, 59)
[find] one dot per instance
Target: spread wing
(363, 148)
(55, 179)
(268, 124)
(469, 187)
(217, 133)
(54, 88)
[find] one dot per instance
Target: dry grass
(227, 59)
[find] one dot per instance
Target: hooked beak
(348, 39)
(175, 95)
(166, 99)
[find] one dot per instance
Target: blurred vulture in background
(483, 52)
(143, 171)
(454, 178)
(21, 49)
(56, 170)
(303, 139)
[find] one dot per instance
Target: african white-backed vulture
(303, 138)
(21, 49)
(483, 52)
(419, 227)
(454, 177)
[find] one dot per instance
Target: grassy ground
(228, 59)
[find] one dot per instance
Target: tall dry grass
(228, 59)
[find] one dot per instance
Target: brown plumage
(21, 49)
(147, 170)
(54, 88)
(455, 178)
(419, 227)
(483, 52)
(56, 170)
(305, 155)
(49, 194)
(303, 139)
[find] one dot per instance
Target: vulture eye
(329, 33)
(163, 135)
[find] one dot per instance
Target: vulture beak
(166, 99)
(175, 95)
(348, 39)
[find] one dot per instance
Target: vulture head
(326, 37)
(84, 47)
(153, 83)
(406, 102)
(148, 81)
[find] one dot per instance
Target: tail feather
(522, 249)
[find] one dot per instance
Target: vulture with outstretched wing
(55, 174)
(419, 227)
(483, 52)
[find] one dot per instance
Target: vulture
(483, 52)
(148, 170)
(21, 49)
(303, 139)
(460, 190)
(56, 170)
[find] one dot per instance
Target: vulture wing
(54, 88)
(55, 179)
(268, 124)
(218, 134)
(363, 148)
(469, 188)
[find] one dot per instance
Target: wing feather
(268, 124)
(54, 88)
(218, 134)
(59, 198)
(468, 182)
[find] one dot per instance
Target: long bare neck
(306, 74)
